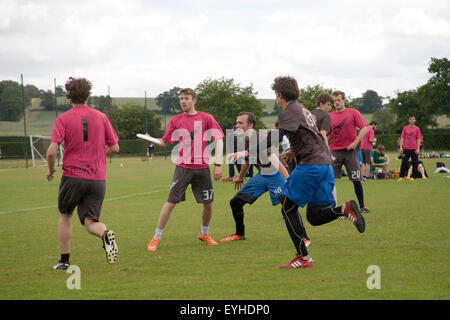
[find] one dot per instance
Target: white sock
(158, 233)
(204, 229)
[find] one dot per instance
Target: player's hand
(238, 155)
(417, 151)
(288, 155)
(333, 158)
(217, 172)
(238, 182)
(50, 173)
(352, 146)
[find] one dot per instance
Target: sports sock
(204, 229)
(158, 233)
(359, 192)
(237, 208)
(65, 257)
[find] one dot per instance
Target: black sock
(239, 221)
(65, 257)
(359, 192)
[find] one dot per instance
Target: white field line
(109, 199)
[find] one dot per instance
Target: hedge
(13, 147)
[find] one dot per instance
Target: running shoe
(61, 265)
(153, 245)
(208, 239)
(232, 237)
(110, 246)
(298, 262)
(352, 212)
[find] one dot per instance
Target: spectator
(379, 159)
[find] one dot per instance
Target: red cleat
(298, 262)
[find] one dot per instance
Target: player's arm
(112, 149)
(358, 139)
(239, 180)
(278, 165)
(52, 151)
(217, 172)
(161, 144)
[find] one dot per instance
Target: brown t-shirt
(322, 118)
(306, 141)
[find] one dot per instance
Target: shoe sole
(360, 223)
(111, 250)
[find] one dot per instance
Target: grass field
(407, 237)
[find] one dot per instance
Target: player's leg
(69, 195)
(354, 174)
(180, 181)
(322, 209)
(202, 188)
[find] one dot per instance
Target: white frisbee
(147, 138)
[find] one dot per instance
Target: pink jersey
(410, 136)
(85, 133)
(365, 142)
(193, 132)
(343, 127)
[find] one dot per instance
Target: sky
(138, 46)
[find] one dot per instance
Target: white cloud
(139, 45)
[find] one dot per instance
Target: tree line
(224, 99)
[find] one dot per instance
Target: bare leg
(206, 214)
(94, 227)
(65, 232)
(165, 214)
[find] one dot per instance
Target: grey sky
(138, 45)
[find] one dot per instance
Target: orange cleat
(153, 245)
(232, 237)
(208, 239)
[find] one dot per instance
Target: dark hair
(339, 93)
(287, 87)
(373, 122)
(78, 90)
(189, 92)
(323, 98)
(251, 118)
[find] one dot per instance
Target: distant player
(88, 138)
(151, 150)
(410, 141)
(367, 144)
(191, 167)
(344, 141)
(270, 177)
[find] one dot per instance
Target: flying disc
(148, 138)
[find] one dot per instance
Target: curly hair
(287, 87)
(78, 90)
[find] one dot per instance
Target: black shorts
(349, 159)
(87, 195)
(366, 156)
(200, 181)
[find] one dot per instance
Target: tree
(370, 102)
(411, 103)
(169, 101)
(129, 120)
(47, 100)
(224, 99)
(308, 95)
(101, 103)
(11, 101)
(385, 119)
(436, 91)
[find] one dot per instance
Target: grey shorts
(86, 195)
(349, 159)
(200, 181)
(366, 156)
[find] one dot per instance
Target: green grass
(407, 236)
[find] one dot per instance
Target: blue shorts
(311, 184)
(260, 184)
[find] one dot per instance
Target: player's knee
(311, 216)
(236, 204)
